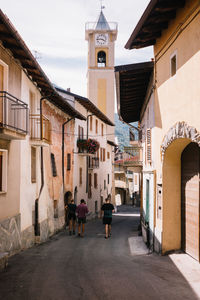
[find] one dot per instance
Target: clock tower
(101, 37)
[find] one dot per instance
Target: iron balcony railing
(13, 113)
(35, 128)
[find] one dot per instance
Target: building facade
(171, 138)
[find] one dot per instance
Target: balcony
(13, 117)
(36, 136)
(134, 161)
(93, 163)
(120, 184)
(87, 147)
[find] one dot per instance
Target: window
(3, 170)
(108, 178)
(173, 62)
(104, 184)
(53, 165)
(96, 126)
(95, 181)
(80, 133)
(108, 155)
(101, 59)
(101, 154)
(104, 154)
(33, 164)
(148, 145)
(80, 176)
(102, 129)
(91, 123)
(68, 161)
(90, 185)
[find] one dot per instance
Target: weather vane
(102, 6)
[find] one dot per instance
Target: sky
(56, 30)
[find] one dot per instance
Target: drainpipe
(63, 148)
(87, 159)
(37, 228)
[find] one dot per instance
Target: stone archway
(174, 142)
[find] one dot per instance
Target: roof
(11, 40)
(111, 143)
(132, 82)
(154, 20)
(102, 23)
(89, 106)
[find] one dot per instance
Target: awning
(132, 82)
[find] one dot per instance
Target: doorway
(190, 208)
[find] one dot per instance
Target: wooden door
(190, 166)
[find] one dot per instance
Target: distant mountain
(122, 132)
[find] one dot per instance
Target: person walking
(72, 216)
(81, 210)
(107, 208)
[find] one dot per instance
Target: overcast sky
(56, 29)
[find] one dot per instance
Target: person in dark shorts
(107, 208)
(81, 210)
(72, 216)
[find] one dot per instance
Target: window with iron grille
(148, 145)
(68, 161)
(53, 165)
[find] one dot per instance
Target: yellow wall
(101, 95)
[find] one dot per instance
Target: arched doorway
(190, 169)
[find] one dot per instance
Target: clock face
(101, 39)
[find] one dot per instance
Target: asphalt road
(70, 267)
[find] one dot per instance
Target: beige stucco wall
(177, 99)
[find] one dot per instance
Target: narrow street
(70, 267)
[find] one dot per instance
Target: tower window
(101, 59)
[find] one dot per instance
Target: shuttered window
(80, 133)
(96, 126)
(33, 164)
(102, 129)
(80, 176)
(95, 180)
(90, 185)
(53, 165)
(104, 154)
(108, 155)
(68, 161)
(108, 178)
(91, 123)
(148, 145)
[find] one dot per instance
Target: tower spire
(102, 6)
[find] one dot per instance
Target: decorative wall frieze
(179, 131)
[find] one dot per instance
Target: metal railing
(13, 113)
(35, 128)
(112, 26)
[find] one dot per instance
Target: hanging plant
(90, 145)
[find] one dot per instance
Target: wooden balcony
(13, 117)
(38, 138)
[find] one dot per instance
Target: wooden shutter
(80, 176)
(104, 154)
(53, 165)
(91, 123)
(101, 156)
(68, 161)
(96, 126)
(102, 129)
(33, 164)
(108, 155)
(90, 185)
(108, 178)
(148, 145)
(95, 180)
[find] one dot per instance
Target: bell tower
(101, 37)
